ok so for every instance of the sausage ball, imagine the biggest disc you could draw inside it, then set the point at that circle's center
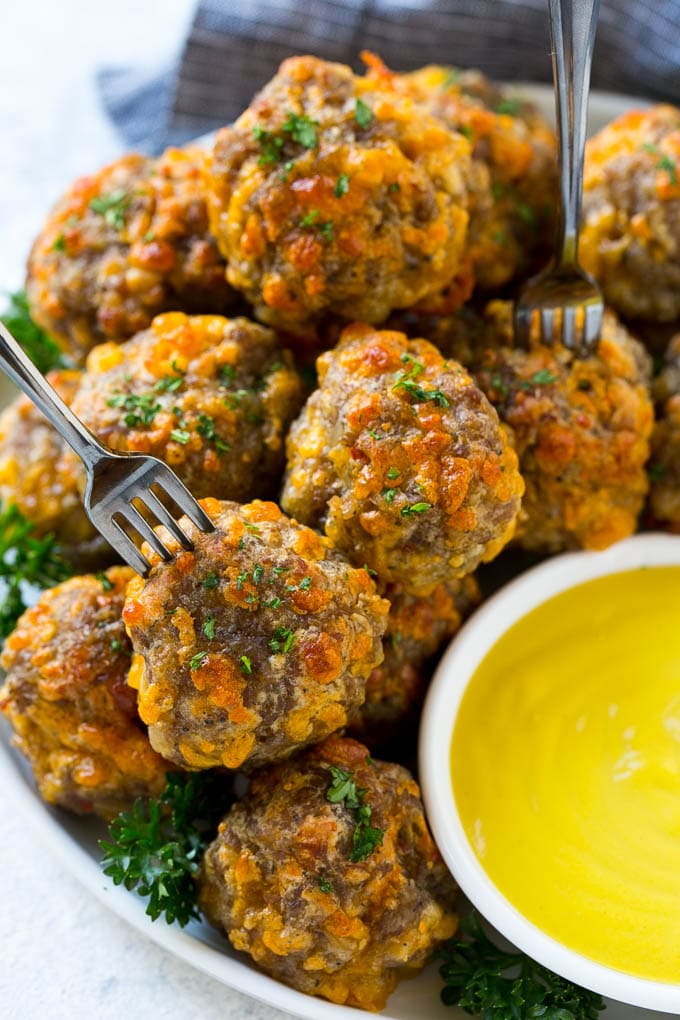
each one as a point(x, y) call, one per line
point(630, 235)
point(121, 246)
point(581, 427)
point(39, 476)
point(514, 170)
point(332, 194)
point(257, 642)
point(402, 460)
point(417, 627)
point(66, 696)
point(212, 397)
point(326, 874)
point(664, 467)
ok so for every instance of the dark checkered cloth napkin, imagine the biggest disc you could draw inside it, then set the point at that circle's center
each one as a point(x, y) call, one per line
point(234, 47)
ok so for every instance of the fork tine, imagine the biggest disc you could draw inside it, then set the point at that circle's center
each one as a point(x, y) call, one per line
point(569, 327)
point(522, 325)
point(547, 326)
point(133, 517)
point(171, 485)
point(593, 326)
point(164, 517)
point(115, 535)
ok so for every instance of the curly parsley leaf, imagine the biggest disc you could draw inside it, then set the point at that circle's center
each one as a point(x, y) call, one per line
point(495, 984)
point(155, 848)
point(25, 562)
point(343, 790)
point(40, 347)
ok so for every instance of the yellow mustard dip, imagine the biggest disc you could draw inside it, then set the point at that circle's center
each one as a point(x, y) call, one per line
point(565, 762)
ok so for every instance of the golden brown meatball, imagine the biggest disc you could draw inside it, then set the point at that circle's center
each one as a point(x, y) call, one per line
point(297, 880)
point(331, 194)
point(664, 466)
point(122, 245)
point(402, 460)
point(581, 428)
point(256, 643)
point(38, 475)
point(513, 188)
point(74, 717)
point(630, 236)
point(212, 397)
point(417, 627)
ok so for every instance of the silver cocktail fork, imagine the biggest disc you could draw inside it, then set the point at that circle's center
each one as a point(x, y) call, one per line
point(564, 298)
point(124, 491)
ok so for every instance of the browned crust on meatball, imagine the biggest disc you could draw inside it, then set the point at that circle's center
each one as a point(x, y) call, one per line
point(664, 465)
point(630, 236)
point(403, 461)
point(279, 882)
point(256, 643)
point(332, 194)
point(66, 697)
point(122, 245)
point(417, 627)
point(212, 397)
point(513, 182)
point(581, 427)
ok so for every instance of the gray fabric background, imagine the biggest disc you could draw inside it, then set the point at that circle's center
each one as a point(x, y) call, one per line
point(235, 45)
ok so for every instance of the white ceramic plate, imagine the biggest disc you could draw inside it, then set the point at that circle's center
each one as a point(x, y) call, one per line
point(75, 840)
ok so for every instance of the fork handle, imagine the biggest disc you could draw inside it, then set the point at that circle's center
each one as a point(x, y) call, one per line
point(15, 363)
point(572, 32)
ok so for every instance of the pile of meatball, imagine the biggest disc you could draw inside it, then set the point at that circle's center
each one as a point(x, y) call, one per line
point(379, 224)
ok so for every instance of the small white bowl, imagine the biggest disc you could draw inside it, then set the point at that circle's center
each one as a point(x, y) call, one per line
point(458, 665)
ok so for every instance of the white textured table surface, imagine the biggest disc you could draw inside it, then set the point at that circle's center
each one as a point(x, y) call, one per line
point(64, 956)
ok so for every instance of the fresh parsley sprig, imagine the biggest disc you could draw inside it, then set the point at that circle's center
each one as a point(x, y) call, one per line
point(494, 984)
point(25, 560)
point(40, 347)
point(156, 847)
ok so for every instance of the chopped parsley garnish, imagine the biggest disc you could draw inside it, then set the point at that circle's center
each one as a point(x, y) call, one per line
point(365, 837)
point(584, 384)
point(206, 428)
point(241, 579)
point(324, 885)
point(301, 128)
point(526, 214)
point(140, 409)
point(374, 435)
point(393, 188)
point(156, 847)
point(209, 627)
point(41, 348)
point(327, 230)
point(254, 528)
point(197, 660)
point(669, 165)
point(544, 377)
point(169, 383)
point(418, 394)
point(341, 186)
point(499, 385)
point(112, 207)
point(115, 645)
point(106, 584)
point(466, 132)
point(389, 495)
point(272, 603)
point(270, 145)
point(310, 219)
point(210, 580)
point(258, 573)
point(392, 473)
point(282, 640)
point(452, 78)
point(246, 665)
point(415, 508)
point(490, 982)
point(513, 107)
point(25, 561)
point(181, 436)
point(59, 243)
point(227, 373)
point(363, 114)
point(305, 584)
